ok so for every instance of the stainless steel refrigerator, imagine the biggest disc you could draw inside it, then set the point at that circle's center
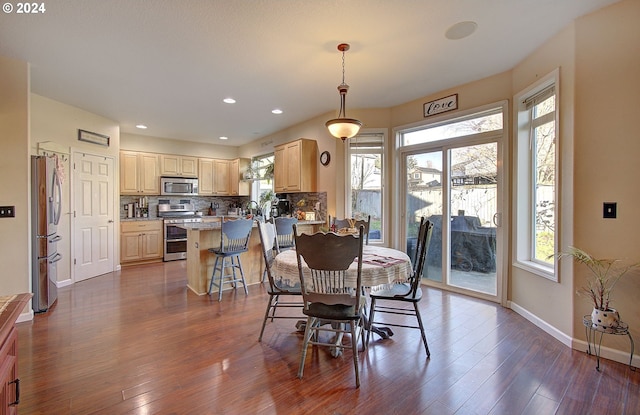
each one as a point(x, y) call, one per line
point(46, 204)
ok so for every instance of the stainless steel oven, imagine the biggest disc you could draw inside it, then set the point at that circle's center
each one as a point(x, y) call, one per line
point(175, 237)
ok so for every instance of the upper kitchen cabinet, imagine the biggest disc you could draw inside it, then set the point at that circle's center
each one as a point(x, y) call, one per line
point(222, 177)
point(239, 187)
point(181, 166)
point(205, 176)
point(295, 166)
point(139, 173)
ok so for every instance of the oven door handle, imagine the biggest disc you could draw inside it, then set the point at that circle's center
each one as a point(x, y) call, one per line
point(176, 240)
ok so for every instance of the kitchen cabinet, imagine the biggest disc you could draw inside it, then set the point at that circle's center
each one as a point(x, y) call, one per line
point(238, 186)
point(222, 177)
point(141, 241)
point(178, 166)
point(139, 173)
point(221, 184)
point(295, 166)
point(205, 176)
point(9, 382)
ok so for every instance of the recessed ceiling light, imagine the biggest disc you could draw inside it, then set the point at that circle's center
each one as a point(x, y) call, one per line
point(276, 111)
point(141, 126)
point(461, 30)
point(224, 138)
point(229, 100)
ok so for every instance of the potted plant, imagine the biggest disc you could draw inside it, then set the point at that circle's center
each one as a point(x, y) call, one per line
point(266, 199)
point(605, 274)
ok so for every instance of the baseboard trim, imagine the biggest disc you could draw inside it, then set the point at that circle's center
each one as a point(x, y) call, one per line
point(576, 344)
point(538, 322)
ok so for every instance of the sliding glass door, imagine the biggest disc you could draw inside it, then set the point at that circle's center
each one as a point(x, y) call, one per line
point(454, 182)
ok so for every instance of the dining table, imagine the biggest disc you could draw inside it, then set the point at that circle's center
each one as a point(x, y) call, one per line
point(380, 266)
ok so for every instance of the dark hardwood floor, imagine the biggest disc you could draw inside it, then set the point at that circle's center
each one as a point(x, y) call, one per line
point(139, 342)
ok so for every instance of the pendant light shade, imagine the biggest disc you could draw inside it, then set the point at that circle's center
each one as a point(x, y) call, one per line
point(343, 127)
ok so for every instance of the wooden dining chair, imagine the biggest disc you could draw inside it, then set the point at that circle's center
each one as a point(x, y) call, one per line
point(277, 286)
point(234, 240)
point(386, 299)
point(348, 222)
point(330, 294)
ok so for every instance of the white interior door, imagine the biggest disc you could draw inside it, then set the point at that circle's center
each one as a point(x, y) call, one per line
point(93, 215)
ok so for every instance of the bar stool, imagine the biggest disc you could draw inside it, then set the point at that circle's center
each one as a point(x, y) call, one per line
point(234, 240)
point(284, 232)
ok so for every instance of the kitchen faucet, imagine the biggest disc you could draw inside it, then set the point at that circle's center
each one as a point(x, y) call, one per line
point(258, 210)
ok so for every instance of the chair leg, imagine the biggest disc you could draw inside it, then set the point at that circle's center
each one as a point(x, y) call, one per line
point(244, 283)
point(424, 337)
point(222, 267)
point(369, 323)
point(354, 349)
point(213, 275)
point(270, 305)
point(274, 305)
point(308, 331)
point(363, 331)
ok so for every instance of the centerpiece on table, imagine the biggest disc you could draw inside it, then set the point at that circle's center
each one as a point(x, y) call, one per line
point(605, 274)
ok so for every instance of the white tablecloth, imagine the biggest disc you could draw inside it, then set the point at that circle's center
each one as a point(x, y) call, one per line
point(379, 266)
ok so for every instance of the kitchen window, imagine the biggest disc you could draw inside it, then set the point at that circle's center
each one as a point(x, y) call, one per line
point(262, 175)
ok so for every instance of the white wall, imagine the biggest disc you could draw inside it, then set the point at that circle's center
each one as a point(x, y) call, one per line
point(607, 145)
point(137, 142)
point(55, 125)
point(15, 244)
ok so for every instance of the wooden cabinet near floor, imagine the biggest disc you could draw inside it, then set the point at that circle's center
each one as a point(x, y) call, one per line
point(295, 166)
point(12, 306)
point(141, 241)
point(139, 173)
point(178, 166)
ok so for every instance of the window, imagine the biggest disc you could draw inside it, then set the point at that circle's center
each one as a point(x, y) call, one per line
point(490, 121)
point(262, 175)
point(365, 176)
point(536, 177)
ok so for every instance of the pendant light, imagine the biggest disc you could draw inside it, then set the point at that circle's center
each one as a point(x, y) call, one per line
point(343, 127)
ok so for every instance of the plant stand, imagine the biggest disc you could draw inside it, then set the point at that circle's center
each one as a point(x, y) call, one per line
point(592, 331)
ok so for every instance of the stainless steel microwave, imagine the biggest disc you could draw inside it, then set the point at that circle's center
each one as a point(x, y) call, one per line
point(178, 186)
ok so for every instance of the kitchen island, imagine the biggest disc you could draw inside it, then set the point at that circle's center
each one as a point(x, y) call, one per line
point(205, 235)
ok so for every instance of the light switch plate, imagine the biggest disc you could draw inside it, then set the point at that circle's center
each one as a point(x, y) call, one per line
point(609, 210)
point(7, 211)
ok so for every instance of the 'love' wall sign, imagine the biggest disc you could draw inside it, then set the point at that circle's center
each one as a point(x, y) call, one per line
point(441, 105)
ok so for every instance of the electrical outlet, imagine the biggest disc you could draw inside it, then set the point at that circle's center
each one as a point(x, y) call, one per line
point(609, 210)
point(7, 211)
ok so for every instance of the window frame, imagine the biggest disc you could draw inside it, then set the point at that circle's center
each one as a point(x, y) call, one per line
point(524, 180)
point(384, 172)
point(256, 184)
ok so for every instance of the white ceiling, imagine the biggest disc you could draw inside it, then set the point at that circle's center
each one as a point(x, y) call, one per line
point(169, 64)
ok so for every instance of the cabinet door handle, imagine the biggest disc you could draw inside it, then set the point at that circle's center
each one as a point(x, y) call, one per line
point(17, 401)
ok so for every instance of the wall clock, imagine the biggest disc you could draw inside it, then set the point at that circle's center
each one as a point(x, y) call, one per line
point(325, 158)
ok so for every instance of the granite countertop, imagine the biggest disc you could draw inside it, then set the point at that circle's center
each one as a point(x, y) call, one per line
point(216, 218)
point(138, 219)
point(207, 225)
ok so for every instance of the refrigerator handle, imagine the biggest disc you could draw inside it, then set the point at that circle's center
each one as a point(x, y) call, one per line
point(57, 198)
point(57, 257)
